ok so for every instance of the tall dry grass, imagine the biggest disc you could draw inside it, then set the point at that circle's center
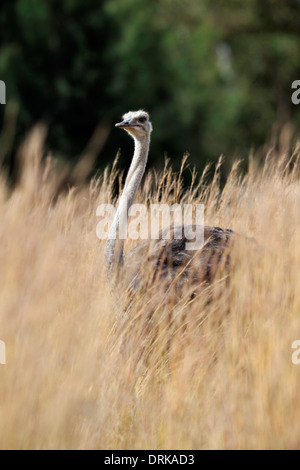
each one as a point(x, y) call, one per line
point(213, 371)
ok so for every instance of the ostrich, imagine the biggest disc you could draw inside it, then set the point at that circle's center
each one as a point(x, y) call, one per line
point(168, 257)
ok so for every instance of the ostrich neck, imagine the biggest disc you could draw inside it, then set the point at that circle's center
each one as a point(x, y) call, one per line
point(114, 250)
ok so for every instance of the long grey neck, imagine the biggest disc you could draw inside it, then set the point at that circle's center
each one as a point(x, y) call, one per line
point(114, 250)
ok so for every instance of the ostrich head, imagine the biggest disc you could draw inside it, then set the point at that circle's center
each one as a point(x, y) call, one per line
point(136, 123)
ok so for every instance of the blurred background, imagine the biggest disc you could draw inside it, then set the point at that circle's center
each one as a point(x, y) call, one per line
point(215, 76)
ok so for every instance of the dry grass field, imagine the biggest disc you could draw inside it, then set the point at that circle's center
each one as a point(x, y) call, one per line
point(209, 372)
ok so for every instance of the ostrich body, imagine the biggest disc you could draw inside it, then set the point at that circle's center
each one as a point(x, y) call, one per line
point(168, 257)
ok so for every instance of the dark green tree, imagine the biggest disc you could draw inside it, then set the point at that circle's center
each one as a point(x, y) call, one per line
point(215, 76)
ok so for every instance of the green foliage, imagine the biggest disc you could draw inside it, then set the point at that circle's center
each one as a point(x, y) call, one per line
point(215, 76)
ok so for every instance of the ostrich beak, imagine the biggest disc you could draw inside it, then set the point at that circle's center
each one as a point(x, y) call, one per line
point(124, 124)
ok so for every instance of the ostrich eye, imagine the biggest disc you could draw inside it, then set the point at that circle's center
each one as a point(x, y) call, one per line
point(142, 119)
